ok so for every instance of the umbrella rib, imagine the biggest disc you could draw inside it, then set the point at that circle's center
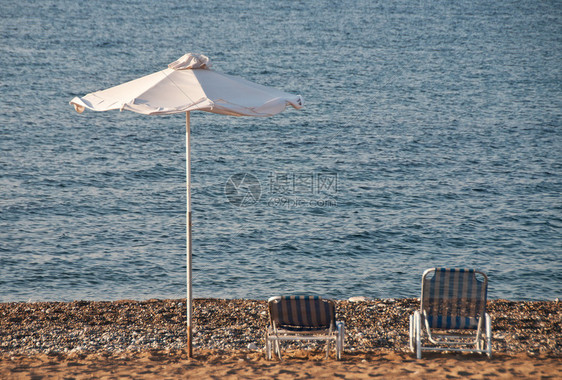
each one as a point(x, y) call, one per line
point(183, 92)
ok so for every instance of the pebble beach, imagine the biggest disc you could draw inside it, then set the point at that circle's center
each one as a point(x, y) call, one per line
point(135, 338)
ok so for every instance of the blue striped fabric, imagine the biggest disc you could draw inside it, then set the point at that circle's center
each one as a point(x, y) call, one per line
point(453, 298)
point(302, 313)
point(452, 322)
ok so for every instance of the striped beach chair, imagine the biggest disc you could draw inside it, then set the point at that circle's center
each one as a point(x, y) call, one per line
point(453, 312)
point(303, 318)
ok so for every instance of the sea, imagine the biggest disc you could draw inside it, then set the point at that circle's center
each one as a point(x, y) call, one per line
point(431, 137)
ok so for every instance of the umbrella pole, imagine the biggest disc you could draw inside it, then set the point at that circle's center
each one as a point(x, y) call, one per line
point(188, 233)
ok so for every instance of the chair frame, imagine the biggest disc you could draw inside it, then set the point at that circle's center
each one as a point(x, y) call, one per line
point(278, 332)
point(481, 340)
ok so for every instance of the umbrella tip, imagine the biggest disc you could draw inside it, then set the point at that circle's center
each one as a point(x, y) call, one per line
point(191, 61)
point(300, 101)
point(78, 108)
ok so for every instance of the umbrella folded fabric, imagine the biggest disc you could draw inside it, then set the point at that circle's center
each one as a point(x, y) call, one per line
point(188, 84)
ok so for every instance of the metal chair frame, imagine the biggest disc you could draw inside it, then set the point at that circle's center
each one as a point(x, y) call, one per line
point(280, 331)
point(481, 340)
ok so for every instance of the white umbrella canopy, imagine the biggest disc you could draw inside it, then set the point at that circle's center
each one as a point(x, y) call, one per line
point(189, 84)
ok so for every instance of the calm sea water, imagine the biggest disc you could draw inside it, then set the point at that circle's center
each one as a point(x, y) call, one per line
point(431, 136)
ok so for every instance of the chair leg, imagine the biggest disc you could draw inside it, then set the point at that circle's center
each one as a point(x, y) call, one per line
point(417, 332)
point(338, 348)
point(340, 340)
point(267, 347)
point(278, 349)
point(488, 335)
point(412, 333)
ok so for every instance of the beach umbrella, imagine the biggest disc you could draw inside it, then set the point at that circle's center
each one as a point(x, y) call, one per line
point(189, 84)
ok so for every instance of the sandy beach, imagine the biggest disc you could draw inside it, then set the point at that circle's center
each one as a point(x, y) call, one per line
point(131, 339)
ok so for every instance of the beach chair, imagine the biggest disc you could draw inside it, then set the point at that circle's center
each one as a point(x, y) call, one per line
point(453, 313)
point(303, 318)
